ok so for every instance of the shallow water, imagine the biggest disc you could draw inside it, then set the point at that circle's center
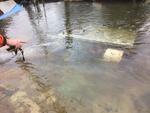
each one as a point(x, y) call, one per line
point(80, 58)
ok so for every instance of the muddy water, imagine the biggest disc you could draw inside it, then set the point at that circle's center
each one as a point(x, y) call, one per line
point(80, 58)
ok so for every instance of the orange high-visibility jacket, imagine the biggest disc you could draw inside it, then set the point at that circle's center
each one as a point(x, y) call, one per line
point(2, 41)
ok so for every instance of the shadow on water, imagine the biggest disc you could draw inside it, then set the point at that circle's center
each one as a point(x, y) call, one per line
point(36, 15)
point(68, 38)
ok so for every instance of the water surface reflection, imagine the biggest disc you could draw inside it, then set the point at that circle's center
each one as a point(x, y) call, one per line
point(81, 58)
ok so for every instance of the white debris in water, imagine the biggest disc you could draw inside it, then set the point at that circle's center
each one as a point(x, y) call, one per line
point(113, 55)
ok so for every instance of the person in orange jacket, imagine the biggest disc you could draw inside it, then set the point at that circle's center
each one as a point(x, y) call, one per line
point(10, 42)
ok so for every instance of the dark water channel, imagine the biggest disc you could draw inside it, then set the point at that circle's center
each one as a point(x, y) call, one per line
point(80, 58)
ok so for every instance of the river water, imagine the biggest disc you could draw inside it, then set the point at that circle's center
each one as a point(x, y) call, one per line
point(79, 58)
